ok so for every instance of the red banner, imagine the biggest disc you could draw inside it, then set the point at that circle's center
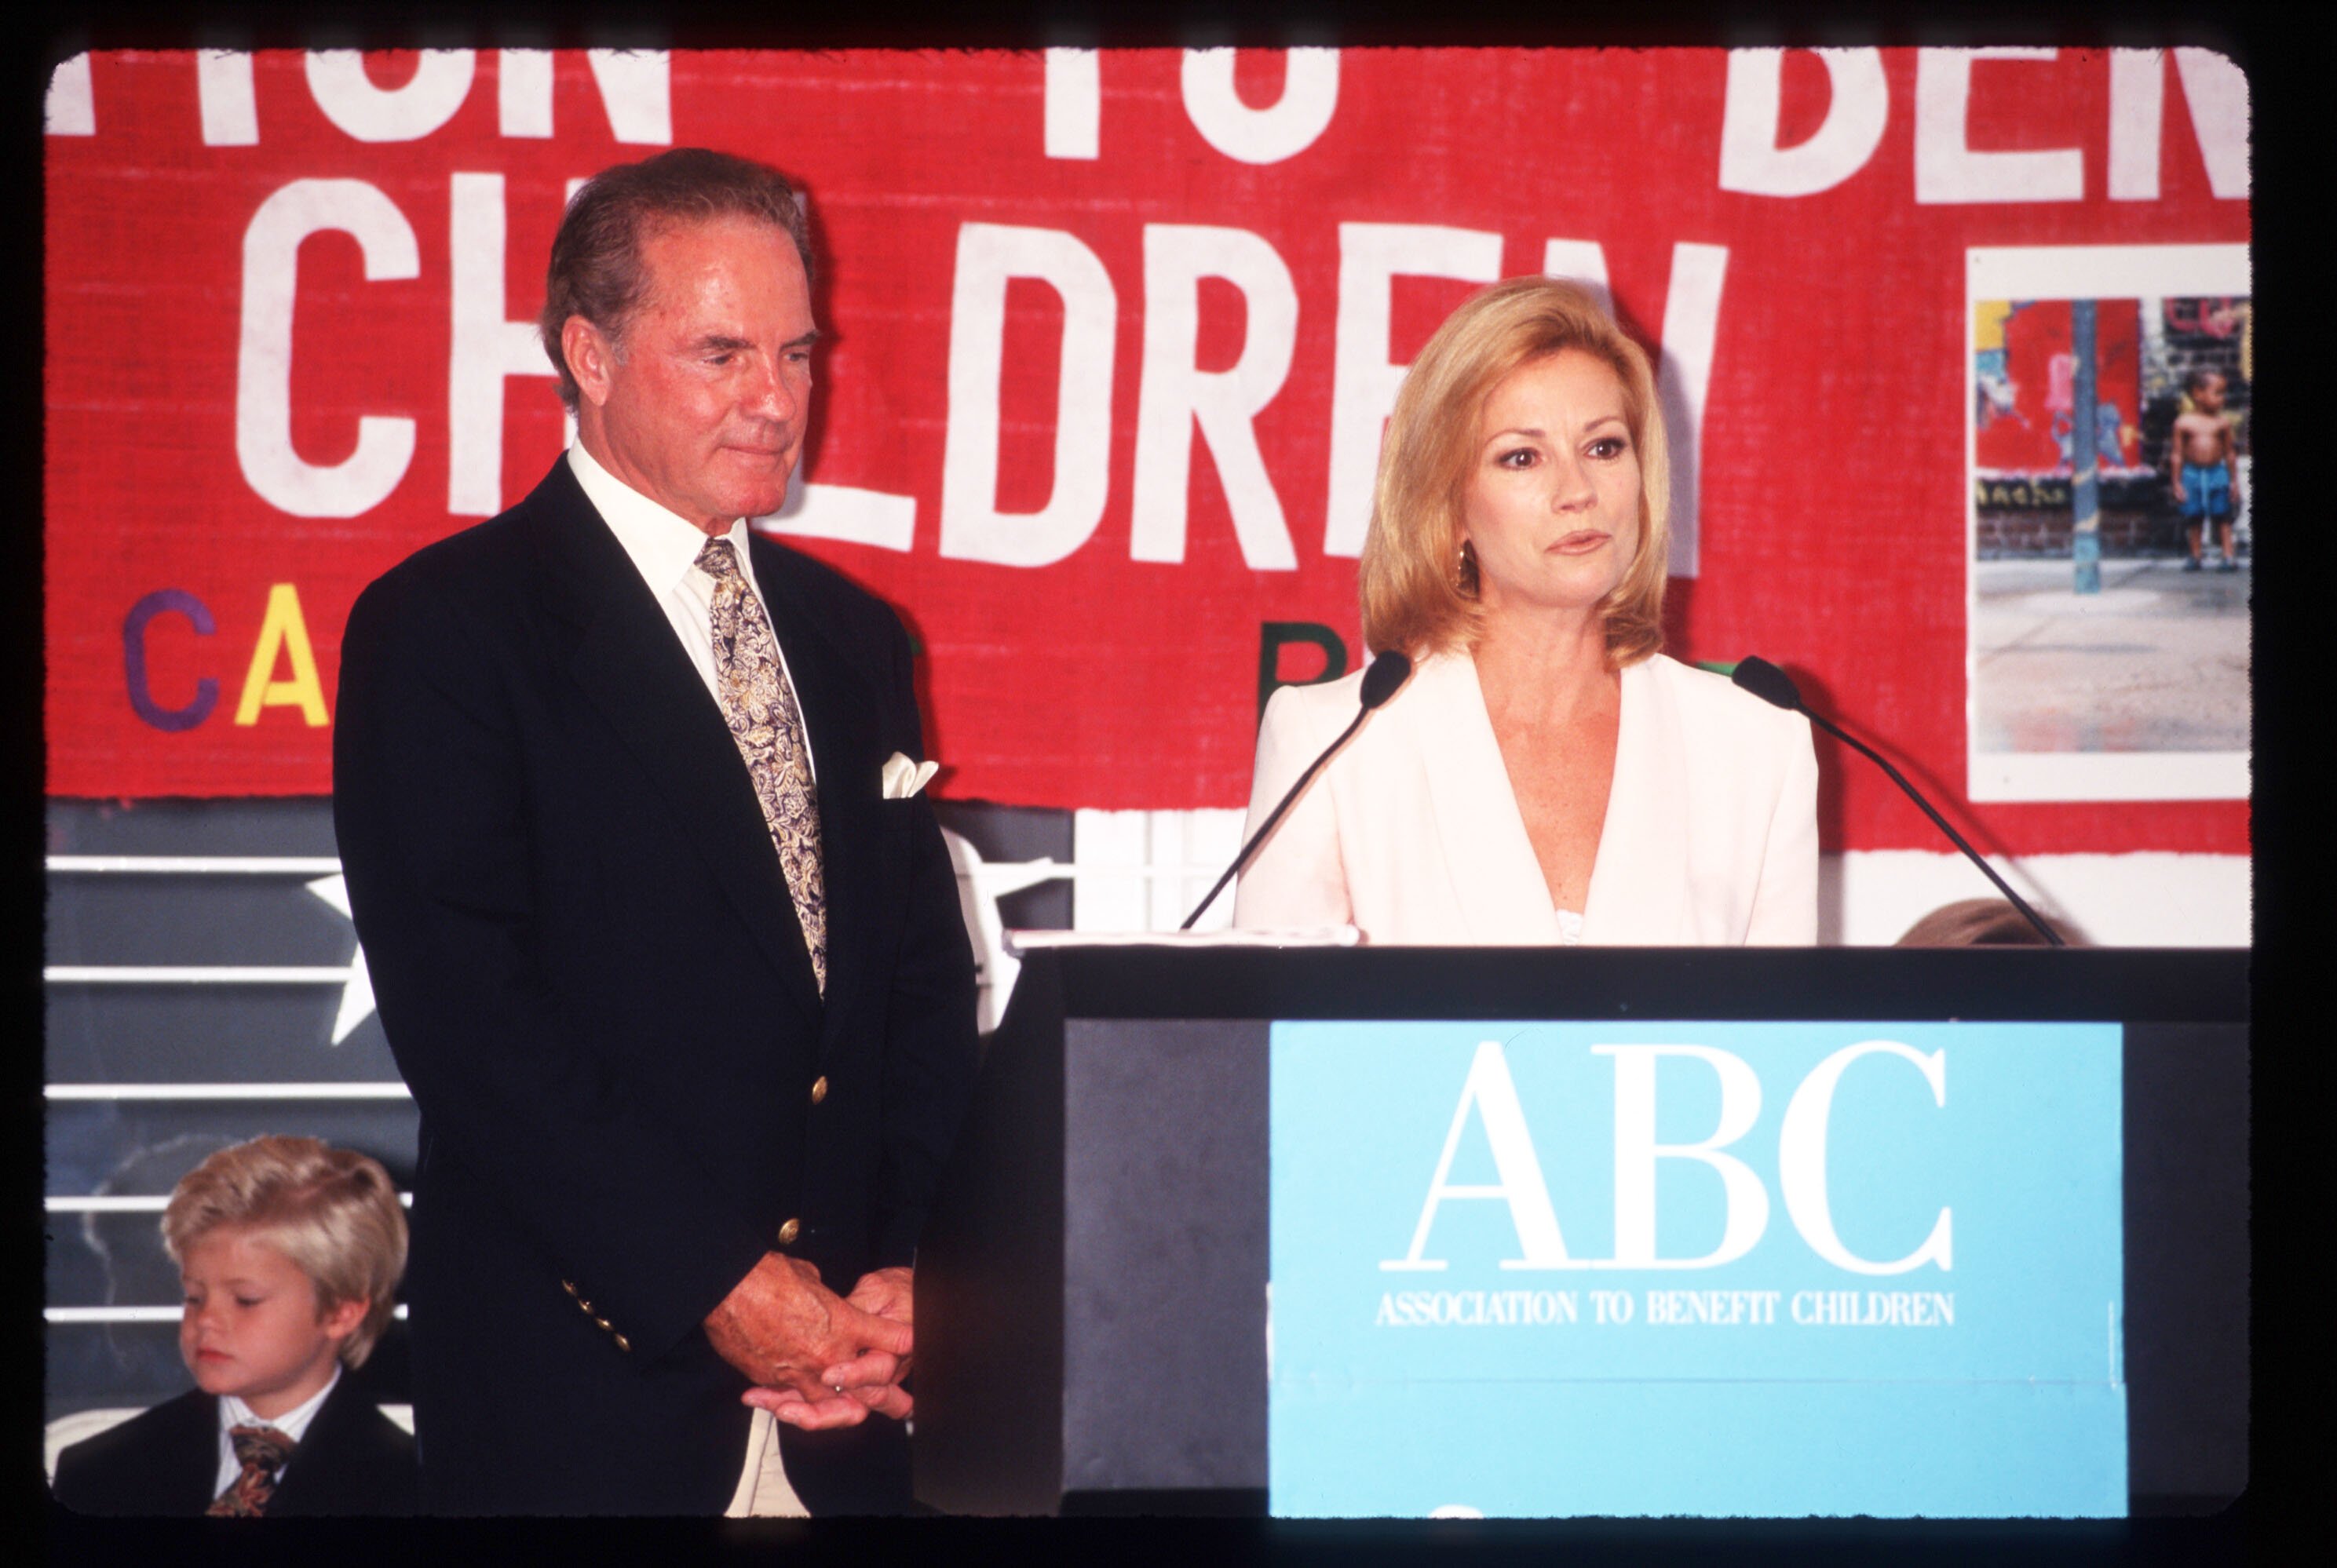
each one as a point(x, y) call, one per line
point(1110, 340)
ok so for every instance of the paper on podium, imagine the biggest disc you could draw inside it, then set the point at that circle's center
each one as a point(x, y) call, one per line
point(1031, 941)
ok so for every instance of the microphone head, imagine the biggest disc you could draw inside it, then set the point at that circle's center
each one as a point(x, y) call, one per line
point(1380, 682)
point(1767, 682)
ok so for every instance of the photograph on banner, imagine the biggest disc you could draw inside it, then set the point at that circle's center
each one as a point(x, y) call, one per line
point(2111, 522)
point(1697, 1268)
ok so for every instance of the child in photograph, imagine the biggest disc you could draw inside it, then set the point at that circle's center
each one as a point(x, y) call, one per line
point(287, 1251)
point(2199, 463)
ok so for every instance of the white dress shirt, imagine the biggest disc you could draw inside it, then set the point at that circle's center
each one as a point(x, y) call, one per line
point(293, 1423)
point(1414, 834)
point(663, 547)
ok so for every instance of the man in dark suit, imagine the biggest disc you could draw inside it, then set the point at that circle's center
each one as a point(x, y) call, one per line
point(668, 949)
point(351, 1460)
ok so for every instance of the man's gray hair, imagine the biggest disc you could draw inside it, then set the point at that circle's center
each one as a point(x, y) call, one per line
point(596, 269)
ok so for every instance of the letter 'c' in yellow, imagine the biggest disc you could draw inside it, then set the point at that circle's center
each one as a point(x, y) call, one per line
point(283, 631)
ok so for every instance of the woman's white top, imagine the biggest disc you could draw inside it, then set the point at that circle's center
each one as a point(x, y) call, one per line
point(1411, 834)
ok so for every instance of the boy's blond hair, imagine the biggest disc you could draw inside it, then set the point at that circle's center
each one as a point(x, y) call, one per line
point(1417, 596)
point(334, 1214)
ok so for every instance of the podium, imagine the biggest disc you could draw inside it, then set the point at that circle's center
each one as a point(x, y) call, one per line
point(1092, 1310)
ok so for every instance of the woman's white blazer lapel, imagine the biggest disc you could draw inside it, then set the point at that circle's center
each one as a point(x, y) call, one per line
point(1497, 882)
point(1710, 834)
point(1640, 885)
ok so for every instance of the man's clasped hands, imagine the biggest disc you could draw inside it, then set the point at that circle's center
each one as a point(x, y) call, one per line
point(817, 1359)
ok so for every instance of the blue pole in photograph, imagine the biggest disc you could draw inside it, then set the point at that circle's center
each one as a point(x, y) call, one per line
point(2084, 502)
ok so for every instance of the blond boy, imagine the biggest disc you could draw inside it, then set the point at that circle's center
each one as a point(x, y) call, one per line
point(288, 1252)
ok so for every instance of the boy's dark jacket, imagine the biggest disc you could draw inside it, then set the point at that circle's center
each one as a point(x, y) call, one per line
point(353, 1459)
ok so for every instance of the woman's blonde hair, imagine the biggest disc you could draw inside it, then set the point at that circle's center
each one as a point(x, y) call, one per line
point(334, 1214)
point(1416, 596)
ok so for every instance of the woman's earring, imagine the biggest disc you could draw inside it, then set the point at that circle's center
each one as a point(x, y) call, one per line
point(1464, 570)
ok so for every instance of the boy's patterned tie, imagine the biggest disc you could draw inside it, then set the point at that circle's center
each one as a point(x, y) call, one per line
point(262, 1451)
point(761, 713)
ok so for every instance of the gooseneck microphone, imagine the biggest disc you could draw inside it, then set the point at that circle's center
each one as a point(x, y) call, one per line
point(1386, 672)
point(1772, 685)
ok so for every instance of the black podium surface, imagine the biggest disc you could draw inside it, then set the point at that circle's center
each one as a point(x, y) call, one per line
point(1092, 1312)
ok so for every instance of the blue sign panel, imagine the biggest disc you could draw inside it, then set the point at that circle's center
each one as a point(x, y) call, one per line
point(1717, 1269)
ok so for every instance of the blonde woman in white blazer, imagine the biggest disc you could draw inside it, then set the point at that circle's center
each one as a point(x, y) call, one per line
point(1545, 777)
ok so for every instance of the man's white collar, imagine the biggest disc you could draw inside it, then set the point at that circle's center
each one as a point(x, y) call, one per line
point(663, 543)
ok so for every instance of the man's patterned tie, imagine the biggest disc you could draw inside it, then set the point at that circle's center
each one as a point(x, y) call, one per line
point(761, 713)
point(262, 1451)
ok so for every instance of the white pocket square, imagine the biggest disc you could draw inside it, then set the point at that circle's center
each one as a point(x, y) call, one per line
point(903, 778)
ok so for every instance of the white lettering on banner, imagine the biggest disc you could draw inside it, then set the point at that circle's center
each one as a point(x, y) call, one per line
point(2216, 93)
point(71, 107)
point(523, 92)
point(486, 349)
point(1668, 1309)
point(636, 90)
point(1948, 169)
point(1717, 1307)
point(1801, 1159)
point(263, 379)
point(223, 96)
point(1752, 161)
point(1476, 1309)
point(1363, 383)
point(635, 85)
point(338, 82)
point(1745, 1202)
point(1174, 394)
point(1310, 96)
point(1691, 328)
point(1800, 1164)
point(843, 511)
point(1074, 93)
point(1489, 1088)
point(1875, 1309)
point(972, 527)
point(2138, 106)
point(1582, 261)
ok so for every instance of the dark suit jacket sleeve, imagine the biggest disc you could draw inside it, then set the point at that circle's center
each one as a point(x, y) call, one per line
point(430, 808)
point(352, 1460)
point(161, 1461)
point(931, 1055)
